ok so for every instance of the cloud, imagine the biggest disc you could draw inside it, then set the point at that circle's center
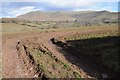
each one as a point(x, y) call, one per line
point(78, 9)
point(13, 9)
point(23, 10)
point(95, 9)
point(59, 0)
point(66, 3)
point(111, 6)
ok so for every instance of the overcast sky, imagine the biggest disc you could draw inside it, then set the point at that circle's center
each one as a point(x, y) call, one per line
point(13, 8)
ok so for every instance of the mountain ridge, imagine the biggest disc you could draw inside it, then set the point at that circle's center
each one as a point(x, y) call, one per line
point(79, 16)
point(69, 16)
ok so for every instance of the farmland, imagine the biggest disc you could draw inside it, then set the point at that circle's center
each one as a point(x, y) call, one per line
point(29, 52)
point(60, 45)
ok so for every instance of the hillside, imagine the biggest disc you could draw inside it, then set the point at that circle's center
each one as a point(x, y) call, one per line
point(81, 16)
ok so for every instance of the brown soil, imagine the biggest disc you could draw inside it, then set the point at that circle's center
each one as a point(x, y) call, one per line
point(19, 63)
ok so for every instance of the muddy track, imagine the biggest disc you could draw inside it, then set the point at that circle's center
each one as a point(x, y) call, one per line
point(19, 63)
point(28, 64)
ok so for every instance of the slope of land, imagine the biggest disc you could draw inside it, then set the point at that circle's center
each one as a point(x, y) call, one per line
point(28, 55)
point(80, 16)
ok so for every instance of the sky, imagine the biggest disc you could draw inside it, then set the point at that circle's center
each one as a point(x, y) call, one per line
point(13, 8)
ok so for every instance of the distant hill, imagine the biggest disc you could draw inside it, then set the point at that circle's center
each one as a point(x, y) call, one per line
point(81, 16)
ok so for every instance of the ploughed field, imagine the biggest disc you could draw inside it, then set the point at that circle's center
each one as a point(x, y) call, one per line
point(83, 52)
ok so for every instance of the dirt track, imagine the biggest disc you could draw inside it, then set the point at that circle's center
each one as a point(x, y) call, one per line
point(13, 63)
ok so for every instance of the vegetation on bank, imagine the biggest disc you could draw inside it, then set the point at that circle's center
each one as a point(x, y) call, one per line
point(50, 65)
